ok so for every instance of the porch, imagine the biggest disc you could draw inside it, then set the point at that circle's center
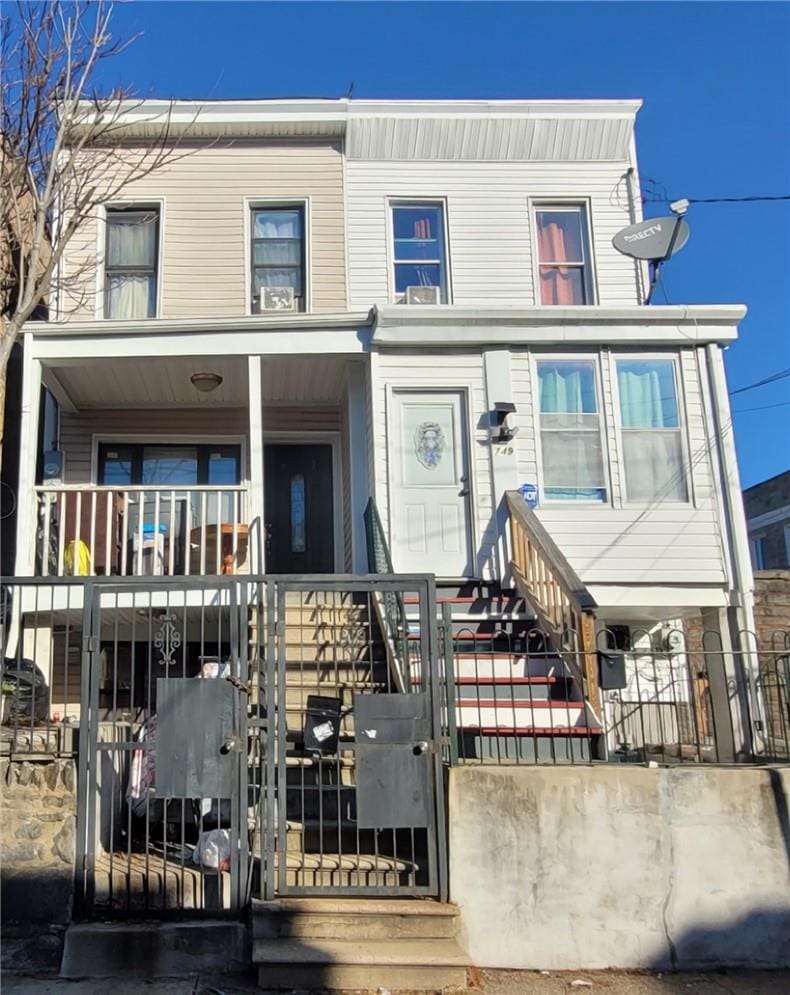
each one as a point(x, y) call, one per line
point(150, 475)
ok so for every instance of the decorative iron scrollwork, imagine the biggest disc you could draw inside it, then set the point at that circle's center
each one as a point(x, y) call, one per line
point(168, 639)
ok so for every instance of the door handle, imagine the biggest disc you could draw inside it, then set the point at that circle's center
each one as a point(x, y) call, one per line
point(420, 748)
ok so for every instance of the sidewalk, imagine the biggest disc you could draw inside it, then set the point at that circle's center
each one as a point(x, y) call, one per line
point(493, 983)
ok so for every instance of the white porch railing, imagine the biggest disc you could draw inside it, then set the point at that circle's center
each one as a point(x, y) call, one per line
point(88, 530)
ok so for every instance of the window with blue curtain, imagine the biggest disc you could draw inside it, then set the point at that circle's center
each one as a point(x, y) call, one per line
point(570, 431)
point(650, 423)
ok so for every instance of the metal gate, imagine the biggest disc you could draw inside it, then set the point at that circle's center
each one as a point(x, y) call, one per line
point(351, 791)
point(263, 736)
point(162, 817)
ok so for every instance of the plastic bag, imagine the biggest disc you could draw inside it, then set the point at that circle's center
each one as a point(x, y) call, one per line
point(77, 559)
point(213, 850)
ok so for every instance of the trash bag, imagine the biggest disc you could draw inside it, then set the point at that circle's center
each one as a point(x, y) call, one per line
point(25, 692)
point(213, 850)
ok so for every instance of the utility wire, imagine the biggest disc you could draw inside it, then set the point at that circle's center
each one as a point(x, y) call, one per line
point(762, 407)
point(717, 200)
point(762, 383)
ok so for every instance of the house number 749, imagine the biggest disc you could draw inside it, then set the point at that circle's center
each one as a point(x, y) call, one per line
point(504, 450)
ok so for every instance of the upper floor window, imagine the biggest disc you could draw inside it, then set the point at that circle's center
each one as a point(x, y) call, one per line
point(650, 423)
point(131, 260)
point(757, 546)
point(278, 258)
point(564, 266)
point(418, 247)
point(570, 431)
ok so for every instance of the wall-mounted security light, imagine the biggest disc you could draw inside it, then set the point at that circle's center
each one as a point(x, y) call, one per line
point(501, 430)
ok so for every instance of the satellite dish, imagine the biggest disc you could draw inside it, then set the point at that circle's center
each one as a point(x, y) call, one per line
point(655, 239)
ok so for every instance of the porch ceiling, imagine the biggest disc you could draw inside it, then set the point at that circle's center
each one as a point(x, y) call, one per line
point(164, 382)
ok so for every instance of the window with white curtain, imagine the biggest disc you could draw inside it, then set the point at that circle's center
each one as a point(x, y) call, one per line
point(130, 265)
point(650, 424)
point(278, 252)
point(570, 431)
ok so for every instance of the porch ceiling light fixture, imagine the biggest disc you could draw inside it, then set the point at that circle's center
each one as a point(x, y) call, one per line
point(205, 382)
point(500, 430)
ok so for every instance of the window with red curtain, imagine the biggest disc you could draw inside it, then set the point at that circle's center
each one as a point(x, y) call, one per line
point(565, 276)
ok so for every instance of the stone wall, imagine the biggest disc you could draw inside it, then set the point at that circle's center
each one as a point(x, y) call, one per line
point(630, 867)
point(37, 853)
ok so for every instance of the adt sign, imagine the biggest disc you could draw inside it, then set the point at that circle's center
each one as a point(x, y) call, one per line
point(530, 494)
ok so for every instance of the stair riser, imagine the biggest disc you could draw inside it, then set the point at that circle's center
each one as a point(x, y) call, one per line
point(307, 878)
point(504, 666)
point(331, 840)
point(365, 978)
point(349, 927)
point(324, 805)
point(327, 773)
point(507, 717)
point(524, 749)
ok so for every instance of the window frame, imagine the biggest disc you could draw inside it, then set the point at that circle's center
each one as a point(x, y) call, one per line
point(265, 203)
point(203, 450)
point(757, 550)
point(594, 359)
point(102, 236)
point(682, 428)
point(588, 267)
point(420, 200)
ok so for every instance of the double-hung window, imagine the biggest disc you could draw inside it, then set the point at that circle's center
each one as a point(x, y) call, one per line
point(131, 260)
point(278, 257)
point(570, 431)
point(650, 424)
point(419, 247)
point(564, 269)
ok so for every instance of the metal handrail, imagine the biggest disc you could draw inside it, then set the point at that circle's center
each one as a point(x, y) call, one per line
point(392, 608)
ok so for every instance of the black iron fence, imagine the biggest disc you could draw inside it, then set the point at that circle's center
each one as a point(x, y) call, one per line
point(667, 696)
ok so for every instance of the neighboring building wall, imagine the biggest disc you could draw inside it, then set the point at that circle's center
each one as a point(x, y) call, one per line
point(767, 507)
point(606, 867)
point(205, 233)
point(489, 223)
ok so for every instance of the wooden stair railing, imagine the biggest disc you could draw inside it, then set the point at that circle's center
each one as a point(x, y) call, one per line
point(561, 602)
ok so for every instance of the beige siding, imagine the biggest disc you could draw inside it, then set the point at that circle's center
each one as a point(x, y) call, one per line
point(489, 224)
point(204, 239)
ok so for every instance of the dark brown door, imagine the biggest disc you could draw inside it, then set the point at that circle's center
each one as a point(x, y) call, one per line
point(299, 509)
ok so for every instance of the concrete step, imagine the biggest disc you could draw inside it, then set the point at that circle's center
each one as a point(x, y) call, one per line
point(359, 919)
point(412, 964)
point(333, 870)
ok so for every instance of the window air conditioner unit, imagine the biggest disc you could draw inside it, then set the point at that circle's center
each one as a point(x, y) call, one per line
point(277, 299)
point(422, 295)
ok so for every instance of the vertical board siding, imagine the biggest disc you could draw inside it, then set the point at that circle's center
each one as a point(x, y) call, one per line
point(489, 225)
point(204, 233)
point(652, 543)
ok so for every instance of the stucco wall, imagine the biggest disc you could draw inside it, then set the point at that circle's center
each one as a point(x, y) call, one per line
point(621, 867)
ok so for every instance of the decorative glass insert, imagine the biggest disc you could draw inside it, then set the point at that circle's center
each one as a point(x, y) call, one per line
point(278, 251)
point(573, 467)
point(298, 544)
point(131, 263)
point(650, 422)
point(418, 233)
point(562, 255)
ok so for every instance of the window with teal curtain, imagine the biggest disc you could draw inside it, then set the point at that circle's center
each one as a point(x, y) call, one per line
point(650, 421)
point(570, 432)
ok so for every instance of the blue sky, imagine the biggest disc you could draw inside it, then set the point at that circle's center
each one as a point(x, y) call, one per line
point(714, 77)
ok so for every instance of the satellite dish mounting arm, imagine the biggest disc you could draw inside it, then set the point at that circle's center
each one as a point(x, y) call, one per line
point(656, 263)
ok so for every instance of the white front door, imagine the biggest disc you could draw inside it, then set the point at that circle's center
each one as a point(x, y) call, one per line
point(430, 484)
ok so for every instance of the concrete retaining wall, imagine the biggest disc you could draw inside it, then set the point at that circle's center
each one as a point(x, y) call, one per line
point(621, 867)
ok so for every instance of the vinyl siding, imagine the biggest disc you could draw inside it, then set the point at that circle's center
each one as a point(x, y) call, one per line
point(615, 542)
point(430, 372)
point(204, 235)
point(489, 225)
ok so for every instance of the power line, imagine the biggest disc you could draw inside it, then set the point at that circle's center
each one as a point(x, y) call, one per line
point(780, 375)
point(719, 200)
point(762, 407)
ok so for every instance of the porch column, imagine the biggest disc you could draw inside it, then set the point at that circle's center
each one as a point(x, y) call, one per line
point(257, 542)
point(27, 506)
point(358, 464)
point(504, 460)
